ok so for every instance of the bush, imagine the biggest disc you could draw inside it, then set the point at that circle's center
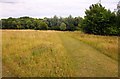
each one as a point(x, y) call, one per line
point(63, 26)
point(43, 26)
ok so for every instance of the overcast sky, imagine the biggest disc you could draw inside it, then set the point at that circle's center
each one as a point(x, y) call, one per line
point(49, 8)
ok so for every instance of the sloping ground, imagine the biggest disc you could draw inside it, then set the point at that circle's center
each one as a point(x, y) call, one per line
point(52, 54)
point(87, 60)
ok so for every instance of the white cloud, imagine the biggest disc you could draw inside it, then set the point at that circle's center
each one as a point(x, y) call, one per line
point(49, 8)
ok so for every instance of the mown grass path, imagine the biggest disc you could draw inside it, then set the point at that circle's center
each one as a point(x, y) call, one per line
point(88, 61)
point(29, 53)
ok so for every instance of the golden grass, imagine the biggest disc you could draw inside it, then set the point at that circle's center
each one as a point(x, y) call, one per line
point(35, 53)
point(0, 53)
point(108, 45)
point(29, 53)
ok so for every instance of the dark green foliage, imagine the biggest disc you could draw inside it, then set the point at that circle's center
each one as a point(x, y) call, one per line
point(24, 23)
point(118, 17)
point(70, 23)
point(63, 26)
point(43, 26)
point(99, 20)
point(0, 24)
point(54, 23)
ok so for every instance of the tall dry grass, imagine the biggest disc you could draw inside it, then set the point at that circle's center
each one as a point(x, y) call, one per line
point(108, 45)
point(34, 53)
point(29, 53)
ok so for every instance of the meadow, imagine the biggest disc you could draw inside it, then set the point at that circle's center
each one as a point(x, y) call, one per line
point(34, 53)
point(108, 45)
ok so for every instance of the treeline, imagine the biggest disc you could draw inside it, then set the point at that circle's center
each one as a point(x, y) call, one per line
point(55, 23)
point(97, 20)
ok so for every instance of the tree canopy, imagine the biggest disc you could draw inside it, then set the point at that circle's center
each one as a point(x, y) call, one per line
point(41, 24)
point(63, 26)
point(99, 20)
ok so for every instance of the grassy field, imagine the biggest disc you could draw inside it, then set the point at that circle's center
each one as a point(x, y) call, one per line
point(108, 45)
point(58, 54)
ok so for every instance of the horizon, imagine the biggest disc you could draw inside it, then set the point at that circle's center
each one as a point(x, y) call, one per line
point(46, 8)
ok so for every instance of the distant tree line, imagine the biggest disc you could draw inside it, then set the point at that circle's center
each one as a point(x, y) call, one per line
point(97, 20)
point(54, 23)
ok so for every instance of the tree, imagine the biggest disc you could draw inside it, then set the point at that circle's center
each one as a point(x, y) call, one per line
point(29, 24)
point(118, 17)
point(43, 26)
point(4, 23)
point(118, 8)
point(37, 24)
point(69, 21)
point(0, 24)
point(55, 21)
point(98, 20)
point(63, 26)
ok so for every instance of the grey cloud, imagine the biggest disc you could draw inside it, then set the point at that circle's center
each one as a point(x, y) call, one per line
point(9, 1)
point(48, 8)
